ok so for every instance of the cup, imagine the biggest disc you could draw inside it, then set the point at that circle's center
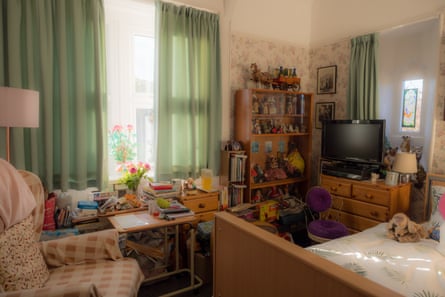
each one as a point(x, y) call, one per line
point(206, 178)
point(392, 178)
point(374, 177)
point(153, 208)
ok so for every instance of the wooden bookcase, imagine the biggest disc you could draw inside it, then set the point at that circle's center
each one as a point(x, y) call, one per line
point(270, 125)
point(233, 174)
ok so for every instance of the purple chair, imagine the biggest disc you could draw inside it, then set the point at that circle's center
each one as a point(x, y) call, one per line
point(320, 230)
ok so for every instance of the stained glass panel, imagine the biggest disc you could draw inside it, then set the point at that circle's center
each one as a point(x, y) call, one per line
point(409, 108)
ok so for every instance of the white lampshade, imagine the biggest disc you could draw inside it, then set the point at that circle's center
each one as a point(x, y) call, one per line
point(19, 108)
point(405, 163)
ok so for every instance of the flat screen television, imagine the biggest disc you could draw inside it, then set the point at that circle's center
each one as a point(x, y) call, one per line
point(359, 141)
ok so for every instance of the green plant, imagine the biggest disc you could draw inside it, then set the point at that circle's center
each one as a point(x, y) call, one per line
point(133, 173)
point(122, 143)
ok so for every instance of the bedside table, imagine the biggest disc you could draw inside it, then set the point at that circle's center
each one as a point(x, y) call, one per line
point(203, 204)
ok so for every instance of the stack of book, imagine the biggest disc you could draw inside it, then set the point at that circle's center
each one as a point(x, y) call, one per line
point(175, 210)
point(85, 211)
point(161, 190)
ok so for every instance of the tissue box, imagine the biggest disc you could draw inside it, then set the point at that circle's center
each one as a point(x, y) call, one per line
point(268, 211)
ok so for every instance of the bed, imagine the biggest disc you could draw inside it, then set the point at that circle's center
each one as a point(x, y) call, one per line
point(249, 261)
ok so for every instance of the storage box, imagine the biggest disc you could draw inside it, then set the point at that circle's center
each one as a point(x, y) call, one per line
point(268, 211)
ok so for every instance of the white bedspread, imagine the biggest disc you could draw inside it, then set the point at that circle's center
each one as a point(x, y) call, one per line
point(411, 269)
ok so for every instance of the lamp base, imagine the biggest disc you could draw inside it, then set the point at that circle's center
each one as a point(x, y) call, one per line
point(405, 178)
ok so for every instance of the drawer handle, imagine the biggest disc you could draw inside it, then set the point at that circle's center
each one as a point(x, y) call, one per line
point(201, 205)
point(333, 189)
point(374, 214)
point(369, 196)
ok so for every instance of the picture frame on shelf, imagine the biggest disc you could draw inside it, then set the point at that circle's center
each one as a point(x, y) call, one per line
point(327, 80)
point(324, 111)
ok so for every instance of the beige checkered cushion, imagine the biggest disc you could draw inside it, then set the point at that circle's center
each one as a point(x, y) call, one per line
point(21, 263)
point(85, 248)
point(73, 290)
point(95, 252)
point(112, 278)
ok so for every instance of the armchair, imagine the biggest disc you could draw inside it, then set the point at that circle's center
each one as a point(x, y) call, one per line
point(85, 265)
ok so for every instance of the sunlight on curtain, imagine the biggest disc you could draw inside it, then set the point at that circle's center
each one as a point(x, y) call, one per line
point(362, 88)
point(189, 91)
point(57, 48)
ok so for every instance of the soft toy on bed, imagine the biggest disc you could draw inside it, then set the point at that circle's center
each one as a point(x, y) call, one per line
point(402, 229)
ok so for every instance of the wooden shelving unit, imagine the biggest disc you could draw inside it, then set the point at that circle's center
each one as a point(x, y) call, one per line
point(270, 125)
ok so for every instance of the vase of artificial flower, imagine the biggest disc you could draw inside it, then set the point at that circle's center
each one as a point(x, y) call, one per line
point(133, 173)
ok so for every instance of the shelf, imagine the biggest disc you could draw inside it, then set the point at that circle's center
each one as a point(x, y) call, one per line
point(278, 182)
point(259, 113)
point(277, 116)
point(279, 134)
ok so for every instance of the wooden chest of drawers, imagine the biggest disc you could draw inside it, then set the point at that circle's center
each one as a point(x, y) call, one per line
point(203, 204)
point(362, 204)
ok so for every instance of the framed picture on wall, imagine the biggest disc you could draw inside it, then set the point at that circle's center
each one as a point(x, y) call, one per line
point(327, 80)
point(324, 111)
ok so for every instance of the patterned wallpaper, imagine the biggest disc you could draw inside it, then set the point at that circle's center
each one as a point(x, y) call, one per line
point(438, 164)
point(247, 50)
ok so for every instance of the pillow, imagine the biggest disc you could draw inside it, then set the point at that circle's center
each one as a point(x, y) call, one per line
point(21, 263)
point(12, 185)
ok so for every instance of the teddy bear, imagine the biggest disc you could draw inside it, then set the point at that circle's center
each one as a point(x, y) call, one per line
point(402, 229)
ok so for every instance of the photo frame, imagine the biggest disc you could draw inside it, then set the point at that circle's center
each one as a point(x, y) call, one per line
point(327, 80)
point(324, 111)
point(435, 187)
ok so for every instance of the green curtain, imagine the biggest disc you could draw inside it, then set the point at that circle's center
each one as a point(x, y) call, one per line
point(362, 89)
point(188, 91)
point(57, 47)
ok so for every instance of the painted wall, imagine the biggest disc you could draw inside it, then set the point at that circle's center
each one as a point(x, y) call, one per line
point(339, 19)
point(331, 27)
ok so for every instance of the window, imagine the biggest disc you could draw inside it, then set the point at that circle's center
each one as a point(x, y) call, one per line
point(130, 72)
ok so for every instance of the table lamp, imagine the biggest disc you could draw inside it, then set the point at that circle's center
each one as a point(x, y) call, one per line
point(18, 108)
point(405, 164)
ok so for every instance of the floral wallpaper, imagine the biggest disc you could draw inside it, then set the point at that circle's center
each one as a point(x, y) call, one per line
point(438, 156)
point(247, 50)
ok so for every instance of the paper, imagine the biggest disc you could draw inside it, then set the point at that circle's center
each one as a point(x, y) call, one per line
point(130, 221)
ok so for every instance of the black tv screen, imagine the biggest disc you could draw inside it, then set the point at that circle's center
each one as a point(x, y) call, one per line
point(353, 140)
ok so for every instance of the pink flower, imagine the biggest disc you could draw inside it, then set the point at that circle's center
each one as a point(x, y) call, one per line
point(130, 127)
point(117, 128)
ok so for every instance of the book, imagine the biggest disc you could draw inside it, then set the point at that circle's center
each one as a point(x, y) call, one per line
point(161, 186)
point(179, 215)
point(174, 208)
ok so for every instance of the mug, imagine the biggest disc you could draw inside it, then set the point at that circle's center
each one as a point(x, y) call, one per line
point(392, 178)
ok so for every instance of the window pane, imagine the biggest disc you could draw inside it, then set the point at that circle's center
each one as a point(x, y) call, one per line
point(143, 63)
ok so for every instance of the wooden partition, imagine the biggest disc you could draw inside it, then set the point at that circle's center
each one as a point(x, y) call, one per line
point(251, 262)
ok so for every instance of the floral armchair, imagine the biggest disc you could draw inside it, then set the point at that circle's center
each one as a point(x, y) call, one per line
point(86, 265)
